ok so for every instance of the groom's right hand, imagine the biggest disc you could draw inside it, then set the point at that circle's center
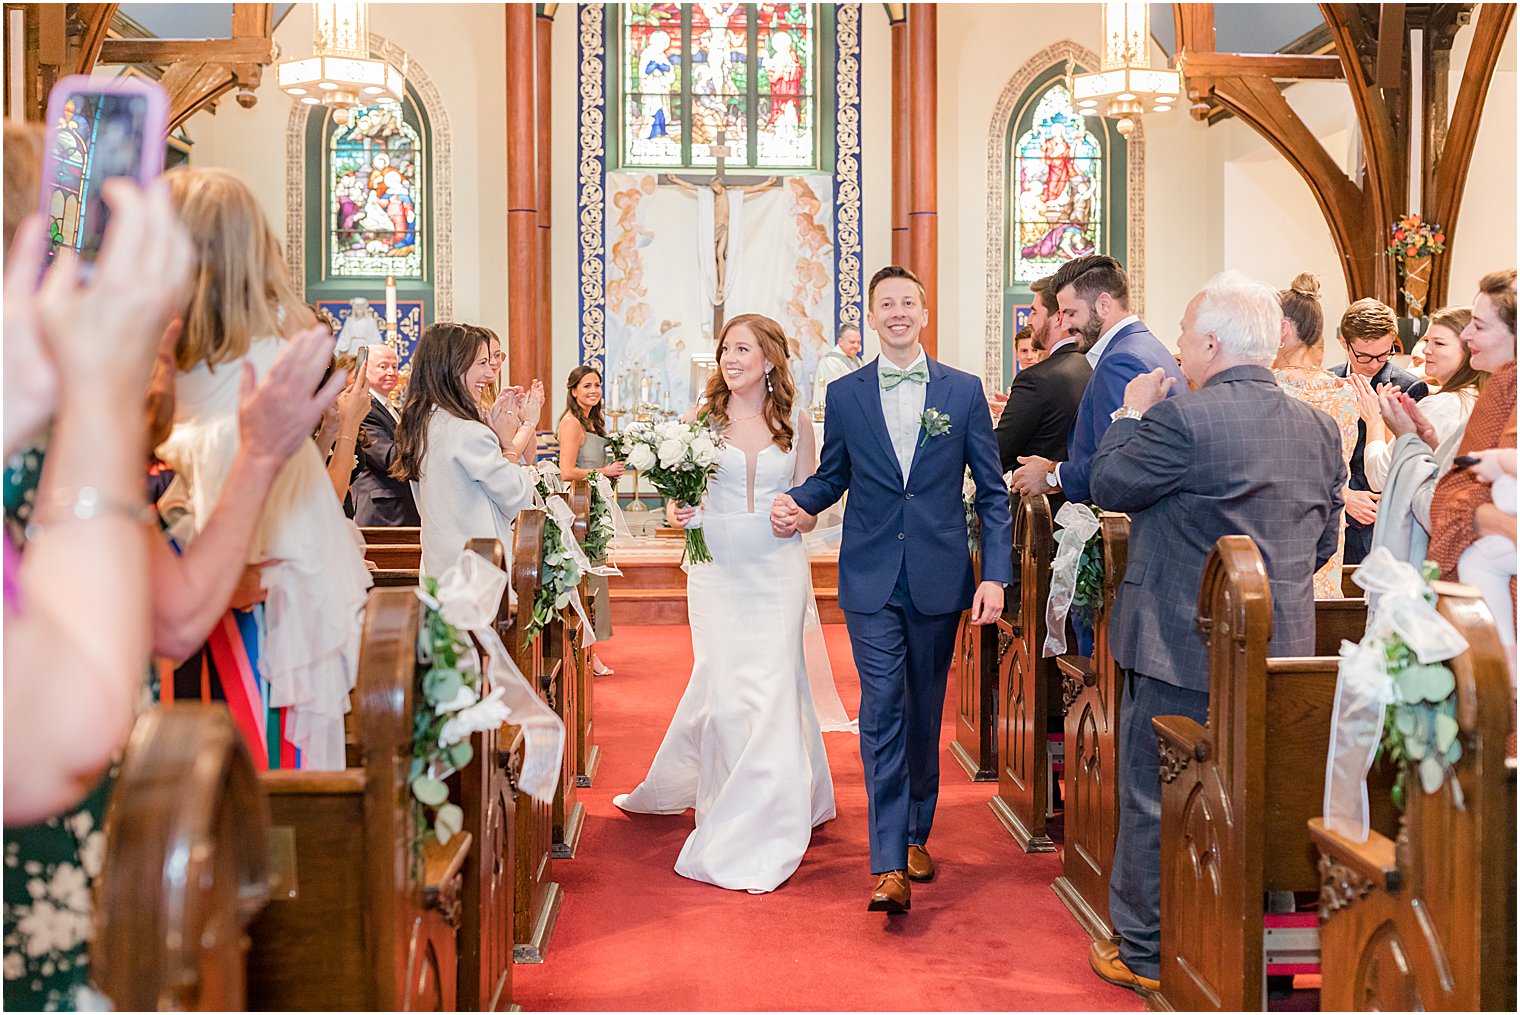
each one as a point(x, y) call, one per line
point(784, 516)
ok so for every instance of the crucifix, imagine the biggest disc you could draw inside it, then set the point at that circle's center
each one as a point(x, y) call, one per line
point(720, 184)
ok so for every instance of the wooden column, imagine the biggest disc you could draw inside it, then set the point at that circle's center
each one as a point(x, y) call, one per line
point(923, 202)
point(522, 199)
point(901, 157)
point(545, 24)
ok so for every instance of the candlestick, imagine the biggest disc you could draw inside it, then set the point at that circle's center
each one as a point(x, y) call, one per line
point(390, 301)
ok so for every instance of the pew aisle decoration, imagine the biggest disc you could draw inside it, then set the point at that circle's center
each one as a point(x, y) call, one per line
point(606, 527)
point(679, 459)
point(565, 563)
point(1394, 694)
point(460, 697)
point(1089, 581)
point(1078, 529)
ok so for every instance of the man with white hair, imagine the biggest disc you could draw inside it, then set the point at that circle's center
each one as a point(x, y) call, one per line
point(1236, 456)
point(841, 360)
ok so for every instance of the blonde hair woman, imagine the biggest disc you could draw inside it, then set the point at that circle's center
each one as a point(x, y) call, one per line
point(235, 327)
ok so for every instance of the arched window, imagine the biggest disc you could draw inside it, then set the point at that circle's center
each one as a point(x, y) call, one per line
point(369, 209)
point(753, 71)
point(1065, 193)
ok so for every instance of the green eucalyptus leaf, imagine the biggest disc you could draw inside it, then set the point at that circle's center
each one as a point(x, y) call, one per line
point(429, 790)
point(1446, 731)
point(1405, 721)
point(459, 754)
point(448, 823)
point(1431, 772)
point(1454, 752)
point(1416, 748)
point(442, 684)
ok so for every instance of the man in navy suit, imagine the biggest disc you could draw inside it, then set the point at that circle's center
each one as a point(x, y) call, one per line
point(898, 436)
point(1093, 295)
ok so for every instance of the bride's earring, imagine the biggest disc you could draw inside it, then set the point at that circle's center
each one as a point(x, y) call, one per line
point(768, 381)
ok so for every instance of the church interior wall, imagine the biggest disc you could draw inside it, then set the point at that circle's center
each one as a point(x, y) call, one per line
point(1213, 196)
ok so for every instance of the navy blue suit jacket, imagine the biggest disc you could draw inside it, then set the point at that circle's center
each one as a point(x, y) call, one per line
point(923, 522)
point(1130, 353)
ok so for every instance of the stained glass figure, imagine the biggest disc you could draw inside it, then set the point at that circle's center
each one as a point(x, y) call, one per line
point(786, 51)
point(1057, 188)
point(652, 87)
point(376, 200)
point(719, 76)
point(69, 161)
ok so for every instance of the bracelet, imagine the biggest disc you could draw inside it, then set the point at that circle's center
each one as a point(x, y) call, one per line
point(81, 506)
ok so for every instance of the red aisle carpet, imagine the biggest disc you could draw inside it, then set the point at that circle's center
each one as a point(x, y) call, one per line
point(988, 934)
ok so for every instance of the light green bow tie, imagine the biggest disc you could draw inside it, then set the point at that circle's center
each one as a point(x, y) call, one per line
point(891, 377)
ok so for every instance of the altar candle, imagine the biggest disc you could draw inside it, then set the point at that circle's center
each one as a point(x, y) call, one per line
point(644, 391)
point(390, 301)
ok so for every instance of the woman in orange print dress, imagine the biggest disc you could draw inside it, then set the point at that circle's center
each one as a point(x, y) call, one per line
point(1299, 372)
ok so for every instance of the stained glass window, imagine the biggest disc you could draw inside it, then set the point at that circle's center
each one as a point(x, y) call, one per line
point(376, 195)
point(70, 157)
point(689, 71)
point(1056, 188)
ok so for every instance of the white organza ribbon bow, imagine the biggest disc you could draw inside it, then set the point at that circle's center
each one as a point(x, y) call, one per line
point(564, 517)
point(469, 596)
point(621, 534)
point(1077, 523)
point(1396, 605)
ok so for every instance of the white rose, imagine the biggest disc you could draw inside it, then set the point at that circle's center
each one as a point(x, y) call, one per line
point(672, 452)
point(668, 430)
point(641, 457)
point(701, 447)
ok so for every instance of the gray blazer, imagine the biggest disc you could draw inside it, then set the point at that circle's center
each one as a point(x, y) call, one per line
point(1238, 456)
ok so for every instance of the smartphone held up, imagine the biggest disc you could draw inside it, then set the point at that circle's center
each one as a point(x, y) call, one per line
point(97, 131)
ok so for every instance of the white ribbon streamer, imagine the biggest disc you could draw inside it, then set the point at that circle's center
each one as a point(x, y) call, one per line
point(564, 517)
point(1396, 605)
point(1078, 523)
point(469, 597)
point(621, 534)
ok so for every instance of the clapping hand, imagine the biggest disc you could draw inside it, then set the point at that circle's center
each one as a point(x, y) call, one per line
point(1367, 400)
point(997, 403)
point(1403, 416)
point(531, 405)
point(785, 516)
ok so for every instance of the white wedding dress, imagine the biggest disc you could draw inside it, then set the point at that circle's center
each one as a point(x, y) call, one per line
point(745, 747)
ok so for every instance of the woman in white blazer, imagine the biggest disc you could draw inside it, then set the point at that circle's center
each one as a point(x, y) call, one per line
point(455, 456)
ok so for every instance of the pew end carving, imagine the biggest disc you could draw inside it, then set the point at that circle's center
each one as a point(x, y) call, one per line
point(1425, 920)
point(974, 748)
point(186, 866)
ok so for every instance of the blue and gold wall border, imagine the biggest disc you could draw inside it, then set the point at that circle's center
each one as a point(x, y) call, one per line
point(847, 196)
point(591, 182)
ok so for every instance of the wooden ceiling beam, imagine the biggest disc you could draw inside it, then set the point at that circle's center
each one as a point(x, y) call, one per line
point(1282, 67)
point(1390, 47)
point(1194, 25)
point(94, 21)
point(259, 50)
point(1494, 21)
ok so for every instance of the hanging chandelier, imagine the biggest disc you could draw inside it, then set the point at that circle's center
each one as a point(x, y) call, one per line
point(1125, 86)
point(341, 74)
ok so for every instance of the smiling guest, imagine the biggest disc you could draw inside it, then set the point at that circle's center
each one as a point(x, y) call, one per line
point(1368, 331)
point(583, 450)
point(380, 498)
point(453, 455)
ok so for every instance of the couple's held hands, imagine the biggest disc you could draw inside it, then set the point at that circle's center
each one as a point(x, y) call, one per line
point(1032, 476)
point(786, 516)
point(1362, 505)
point(987, 606)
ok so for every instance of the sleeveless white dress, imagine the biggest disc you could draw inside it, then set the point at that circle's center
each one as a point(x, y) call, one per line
point(745, 747)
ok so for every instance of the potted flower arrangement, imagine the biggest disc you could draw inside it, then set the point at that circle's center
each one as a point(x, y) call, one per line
point(1414, 243)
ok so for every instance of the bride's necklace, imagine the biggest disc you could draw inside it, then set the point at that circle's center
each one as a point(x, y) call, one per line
point(746, 419)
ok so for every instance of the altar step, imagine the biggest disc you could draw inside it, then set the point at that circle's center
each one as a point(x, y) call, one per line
point(652, 589)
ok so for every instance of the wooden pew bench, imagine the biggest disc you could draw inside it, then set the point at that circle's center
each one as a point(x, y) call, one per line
point(1028, 685)
point(588, 753)
point(375, 535)
point(185, 866)
point(975, 664)
point(1236, 795)
point(1425, 920)
point(357, 919)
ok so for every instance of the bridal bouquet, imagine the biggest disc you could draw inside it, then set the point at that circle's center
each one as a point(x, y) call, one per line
point(679, 459)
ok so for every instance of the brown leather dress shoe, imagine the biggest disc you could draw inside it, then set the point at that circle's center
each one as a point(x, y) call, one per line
point(891, 895)
point(920, 864)
point(1104, 958)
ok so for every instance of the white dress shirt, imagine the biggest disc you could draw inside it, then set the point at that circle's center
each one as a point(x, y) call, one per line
point(1093, 355)
point(902, 407)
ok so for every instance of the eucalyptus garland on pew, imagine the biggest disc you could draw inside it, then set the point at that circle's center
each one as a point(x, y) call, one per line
point(448, 689)
point(561, 573)
point(1088, 593)
point(600, 529)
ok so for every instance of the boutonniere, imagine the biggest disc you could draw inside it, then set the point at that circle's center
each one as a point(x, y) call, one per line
point(934, 424)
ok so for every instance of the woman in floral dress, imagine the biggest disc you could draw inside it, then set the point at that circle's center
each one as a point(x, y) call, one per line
point(1299, 372)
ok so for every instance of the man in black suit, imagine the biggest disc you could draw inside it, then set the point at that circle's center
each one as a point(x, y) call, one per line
point(379, 499)
point(1368, 331)
point(1043, 399)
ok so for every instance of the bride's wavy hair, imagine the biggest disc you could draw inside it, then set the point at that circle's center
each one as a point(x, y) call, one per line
point(780, 390)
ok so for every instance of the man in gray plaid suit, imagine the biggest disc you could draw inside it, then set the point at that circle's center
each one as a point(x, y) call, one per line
point(1236, 456)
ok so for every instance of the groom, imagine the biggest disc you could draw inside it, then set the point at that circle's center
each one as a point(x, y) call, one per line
point(898, 435)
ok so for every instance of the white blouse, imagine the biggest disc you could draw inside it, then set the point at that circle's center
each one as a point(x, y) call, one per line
point(468, 490)
point(1447, 412)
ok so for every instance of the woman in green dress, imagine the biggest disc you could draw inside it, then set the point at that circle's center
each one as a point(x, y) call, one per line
point(583, 450)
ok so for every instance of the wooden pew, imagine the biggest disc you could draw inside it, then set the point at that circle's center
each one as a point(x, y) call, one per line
point(1425, 921)
point(490, 815)
point(1349, 588)
point(536, 896)
point(1092, 691)
point(394, 556)
point(358, 921)
point(975, 745)
point(588, 754)
point(1029, 685)
point(375, 535)
point(1236, 796)
point(186, 866)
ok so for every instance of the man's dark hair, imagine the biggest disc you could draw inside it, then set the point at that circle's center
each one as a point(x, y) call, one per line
point(893, 271)
point(1046, 294)
point(1091, 275)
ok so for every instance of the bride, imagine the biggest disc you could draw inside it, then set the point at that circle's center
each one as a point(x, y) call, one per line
point(745, 746)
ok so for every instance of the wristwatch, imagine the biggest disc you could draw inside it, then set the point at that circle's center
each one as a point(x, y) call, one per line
point(1124, 412)
point(1050, 476)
